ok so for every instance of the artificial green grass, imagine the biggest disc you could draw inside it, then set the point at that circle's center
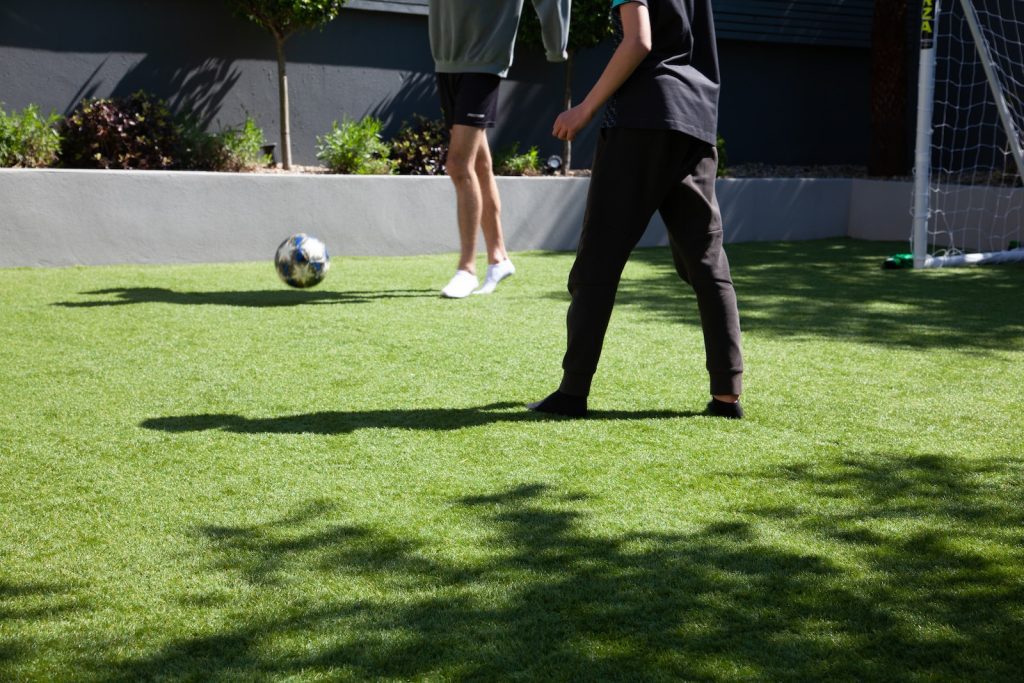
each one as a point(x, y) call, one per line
point(206, 476)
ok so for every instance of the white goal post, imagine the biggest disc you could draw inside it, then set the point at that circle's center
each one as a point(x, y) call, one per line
point(968, 203)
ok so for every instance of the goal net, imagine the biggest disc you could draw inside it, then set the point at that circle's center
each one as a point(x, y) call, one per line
point(968, 195)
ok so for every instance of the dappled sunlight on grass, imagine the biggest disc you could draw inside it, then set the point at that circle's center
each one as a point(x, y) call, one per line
point(837, 289)
point(205, 475)
point(548, 599)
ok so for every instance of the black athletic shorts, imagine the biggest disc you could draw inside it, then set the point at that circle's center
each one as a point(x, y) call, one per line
point(469, 99)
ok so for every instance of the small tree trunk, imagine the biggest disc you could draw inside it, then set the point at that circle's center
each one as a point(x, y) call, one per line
point(567, 102)
point(282, 88)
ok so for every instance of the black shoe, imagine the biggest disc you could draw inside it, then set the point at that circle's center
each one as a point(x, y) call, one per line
point(561, 404)
point(732, 411)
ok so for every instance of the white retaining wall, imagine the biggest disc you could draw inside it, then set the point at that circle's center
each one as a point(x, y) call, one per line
point(65, 217)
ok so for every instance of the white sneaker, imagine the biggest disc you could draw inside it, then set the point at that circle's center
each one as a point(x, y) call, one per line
point(460, 286)
point(496, 273)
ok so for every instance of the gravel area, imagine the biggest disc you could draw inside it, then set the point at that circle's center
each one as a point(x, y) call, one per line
point(295, 170)
point(732, 171)
point(777, 171)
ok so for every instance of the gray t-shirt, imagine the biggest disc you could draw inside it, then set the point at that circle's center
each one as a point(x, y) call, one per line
point(676, 86)
point(478, 36)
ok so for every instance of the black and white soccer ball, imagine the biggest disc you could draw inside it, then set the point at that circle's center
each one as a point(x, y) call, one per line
point(302, 261)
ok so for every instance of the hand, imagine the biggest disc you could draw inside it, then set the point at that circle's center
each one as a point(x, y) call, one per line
point(571, 122)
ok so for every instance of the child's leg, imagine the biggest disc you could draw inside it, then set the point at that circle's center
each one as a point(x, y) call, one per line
point(694, 224)
point(631, 177)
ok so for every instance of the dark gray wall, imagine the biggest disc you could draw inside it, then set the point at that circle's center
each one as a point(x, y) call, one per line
point(781, 103)
point(794, 104)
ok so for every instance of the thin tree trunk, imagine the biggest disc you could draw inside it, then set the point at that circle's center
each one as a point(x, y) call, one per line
point(282, 87)
point(888, 154)
point(567, 97)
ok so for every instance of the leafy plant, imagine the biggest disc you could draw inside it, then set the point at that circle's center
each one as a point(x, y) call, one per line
point(355, 147)
point(135, 132)
point(197, 149)
point(242, 148)
point(420, 148)
point(27, 139)
point(282, 19)
point(233, 149)
point(508, 161)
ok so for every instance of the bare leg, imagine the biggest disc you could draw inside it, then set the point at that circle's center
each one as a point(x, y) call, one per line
point(462, 169)
point(490, 217)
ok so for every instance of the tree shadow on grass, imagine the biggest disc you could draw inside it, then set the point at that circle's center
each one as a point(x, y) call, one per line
point(943, 540)
point(29, 603)
point(30, 600)
point(250, 299)
point(345, 422)
point(543, 596)
point(837, 289)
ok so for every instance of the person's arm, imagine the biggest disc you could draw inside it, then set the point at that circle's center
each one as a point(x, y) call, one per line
point(635, 45)
point(554, 27)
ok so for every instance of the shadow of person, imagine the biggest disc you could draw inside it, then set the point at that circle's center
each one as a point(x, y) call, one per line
point(345, 422)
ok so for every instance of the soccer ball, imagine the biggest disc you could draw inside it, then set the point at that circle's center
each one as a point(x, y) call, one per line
point(302, 261)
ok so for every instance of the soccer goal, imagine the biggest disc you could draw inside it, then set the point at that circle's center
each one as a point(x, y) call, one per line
point(968, 198)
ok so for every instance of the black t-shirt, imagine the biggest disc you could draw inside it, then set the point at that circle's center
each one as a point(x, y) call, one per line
point(676, 86)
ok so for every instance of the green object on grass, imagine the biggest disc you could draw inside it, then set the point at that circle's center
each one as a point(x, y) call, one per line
point(899, 261)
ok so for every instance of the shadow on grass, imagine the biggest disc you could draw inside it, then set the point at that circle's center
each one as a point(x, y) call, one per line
point(30, 602)
point(837, 289)
point(545, 597)
point(251, 299)
point(342, 422)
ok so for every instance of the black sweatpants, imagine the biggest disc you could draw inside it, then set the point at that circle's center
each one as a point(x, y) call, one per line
point(637, 172)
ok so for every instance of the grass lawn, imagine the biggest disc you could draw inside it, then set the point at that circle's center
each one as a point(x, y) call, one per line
point(206, 476)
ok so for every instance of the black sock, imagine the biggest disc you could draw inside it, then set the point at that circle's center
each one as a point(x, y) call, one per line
point(559, 403)
point(722, 409)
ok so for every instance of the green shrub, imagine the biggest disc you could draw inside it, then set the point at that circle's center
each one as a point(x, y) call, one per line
point(28, 140)
point(135, 132)
point(355, 147)
point(420, 148)
point(244, 146)
point(508, 161)
point(197, 150)
point(233, 149)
